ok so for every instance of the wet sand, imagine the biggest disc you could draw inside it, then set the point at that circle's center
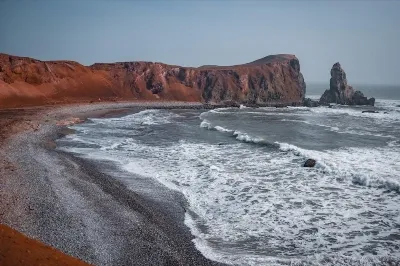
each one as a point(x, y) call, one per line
point(72, 204)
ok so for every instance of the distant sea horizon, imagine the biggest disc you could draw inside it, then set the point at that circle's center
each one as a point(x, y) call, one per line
point(387, 92)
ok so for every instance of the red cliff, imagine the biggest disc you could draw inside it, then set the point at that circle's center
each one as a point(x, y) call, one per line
point(26, 81)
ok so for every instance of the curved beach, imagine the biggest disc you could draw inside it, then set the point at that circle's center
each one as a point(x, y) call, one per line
point(70, 204)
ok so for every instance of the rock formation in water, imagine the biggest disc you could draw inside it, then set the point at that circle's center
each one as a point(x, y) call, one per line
point(310, 163)
point(311, 103)
point(272, 79)
point(341, 93)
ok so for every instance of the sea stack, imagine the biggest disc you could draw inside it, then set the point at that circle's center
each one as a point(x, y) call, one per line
point(341, 93)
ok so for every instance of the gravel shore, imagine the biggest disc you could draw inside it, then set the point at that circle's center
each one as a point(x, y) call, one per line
point(73, 205)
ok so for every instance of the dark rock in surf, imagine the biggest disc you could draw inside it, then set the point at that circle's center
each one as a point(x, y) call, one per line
point(341, 93)
point(310, 103)
point(360, 99)
point(310, 163)
point(370, 111)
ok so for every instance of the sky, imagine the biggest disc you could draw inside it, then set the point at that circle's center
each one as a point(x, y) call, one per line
point(363, 35)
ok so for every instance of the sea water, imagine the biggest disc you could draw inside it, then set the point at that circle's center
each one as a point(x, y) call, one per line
point(250, 200)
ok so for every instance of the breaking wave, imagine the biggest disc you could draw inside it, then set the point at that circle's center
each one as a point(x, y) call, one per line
point(260, 200)
point(360, 165)
point(333, 161)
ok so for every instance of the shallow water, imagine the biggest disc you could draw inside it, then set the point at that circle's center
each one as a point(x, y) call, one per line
point(250, 200)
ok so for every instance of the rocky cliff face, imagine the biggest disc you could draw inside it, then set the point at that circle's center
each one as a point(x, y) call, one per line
point(340, 92)
point(26, 81)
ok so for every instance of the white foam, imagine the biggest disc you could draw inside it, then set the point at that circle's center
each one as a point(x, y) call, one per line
point(390, 117)
point(394, 143)
point(360, 132)
point(145, 117)
point(241, 136)
point(391, 105)
point(246, 137)
point(249, 202)
point(111, 147)
point(220, 110)
point(222, 129)
point(303, 108)
point(369, 167)
point(230, 217)
point(79, 139)
point(205, 124)
point(310, 123)
point(363, 133)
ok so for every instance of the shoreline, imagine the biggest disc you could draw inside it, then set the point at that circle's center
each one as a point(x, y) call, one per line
point(71, 204)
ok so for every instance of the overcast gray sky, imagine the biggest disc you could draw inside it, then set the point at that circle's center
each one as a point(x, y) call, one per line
point(364, 36)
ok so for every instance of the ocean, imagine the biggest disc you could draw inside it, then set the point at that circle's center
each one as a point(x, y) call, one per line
point(250, 201)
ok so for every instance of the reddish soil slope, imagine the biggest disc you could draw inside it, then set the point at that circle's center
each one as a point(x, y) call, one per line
point(25, 81)
point(18, 250)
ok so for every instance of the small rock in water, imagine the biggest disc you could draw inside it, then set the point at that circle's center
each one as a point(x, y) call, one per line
point(310, 163)
point(310, 103)
point(370, 111)
point(385, 112)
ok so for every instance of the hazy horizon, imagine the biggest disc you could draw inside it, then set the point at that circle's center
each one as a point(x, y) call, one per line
point(362, 35)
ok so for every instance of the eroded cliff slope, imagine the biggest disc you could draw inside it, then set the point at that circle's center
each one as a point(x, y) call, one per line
point(272, 79)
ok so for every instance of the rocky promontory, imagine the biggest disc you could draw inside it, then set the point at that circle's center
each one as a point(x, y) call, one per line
point(341, 93)
point(272, 79)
